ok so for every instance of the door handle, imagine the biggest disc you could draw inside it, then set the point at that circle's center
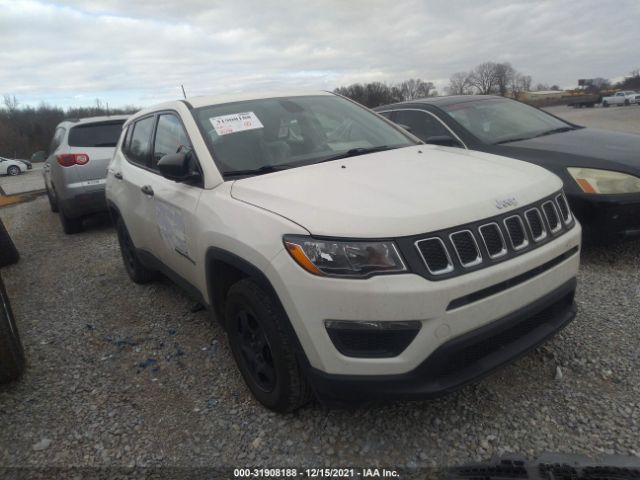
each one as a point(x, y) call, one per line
point(118, 175)
point(147, 190)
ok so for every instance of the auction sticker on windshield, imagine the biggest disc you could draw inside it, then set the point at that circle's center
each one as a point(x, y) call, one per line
point(236, 122)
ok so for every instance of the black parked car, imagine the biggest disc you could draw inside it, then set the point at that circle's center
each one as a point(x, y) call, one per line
point(600, 169)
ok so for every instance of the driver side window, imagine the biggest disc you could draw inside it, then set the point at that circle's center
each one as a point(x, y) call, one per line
point(170, 138)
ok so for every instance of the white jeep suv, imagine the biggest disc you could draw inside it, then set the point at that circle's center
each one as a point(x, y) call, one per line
point(344, 258)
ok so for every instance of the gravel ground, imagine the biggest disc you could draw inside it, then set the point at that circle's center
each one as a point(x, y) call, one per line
point(122, 374)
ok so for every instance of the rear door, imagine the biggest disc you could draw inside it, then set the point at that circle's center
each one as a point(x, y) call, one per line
point(131, 173)
point(173, 204)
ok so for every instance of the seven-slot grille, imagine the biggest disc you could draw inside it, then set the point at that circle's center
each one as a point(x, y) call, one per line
point(456, 250)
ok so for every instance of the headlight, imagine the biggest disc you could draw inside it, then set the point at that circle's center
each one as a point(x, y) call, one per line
point(342, 258)
point(592, 180)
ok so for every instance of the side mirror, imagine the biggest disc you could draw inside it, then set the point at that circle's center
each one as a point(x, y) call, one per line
point(176, 167)
point(444, 140)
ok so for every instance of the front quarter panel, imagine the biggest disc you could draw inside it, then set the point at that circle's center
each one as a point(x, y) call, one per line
point(244, 230)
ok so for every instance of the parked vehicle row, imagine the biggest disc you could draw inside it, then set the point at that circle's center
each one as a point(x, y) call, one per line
point(600, 169)
point(347, 257)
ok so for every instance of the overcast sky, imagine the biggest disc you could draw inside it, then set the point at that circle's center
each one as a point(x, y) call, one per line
point(69, 53)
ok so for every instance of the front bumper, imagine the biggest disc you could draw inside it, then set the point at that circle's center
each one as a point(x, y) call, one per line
point(461, 360)
point(607, 218)
point(446, 309)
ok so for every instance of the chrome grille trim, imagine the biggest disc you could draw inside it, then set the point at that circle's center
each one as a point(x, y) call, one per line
point(442, 271)
point(543, 235)
point(493, 240)
point(478, 258)
point(502, 252)
point(562, 198)
point(525, 241)
point(558, 217)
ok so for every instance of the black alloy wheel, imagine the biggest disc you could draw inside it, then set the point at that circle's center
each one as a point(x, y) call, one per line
point(255, 350)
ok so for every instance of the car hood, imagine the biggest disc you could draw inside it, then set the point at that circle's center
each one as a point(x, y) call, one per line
point(397, 192)
point(591, 147)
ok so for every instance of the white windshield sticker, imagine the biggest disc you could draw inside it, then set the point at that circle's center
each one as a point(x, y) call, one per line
point(236, 122)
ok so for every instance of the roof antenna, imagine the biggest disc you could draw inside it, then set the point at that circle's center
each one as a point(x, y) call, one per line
point(183, 94)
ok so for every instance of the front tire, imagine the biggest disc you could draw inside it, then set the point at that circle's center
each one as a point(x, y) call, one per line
point(262, 349)
point(8, 251)
point(135, 269)
point(627, 103)
point(11, 351)
point(13, 171)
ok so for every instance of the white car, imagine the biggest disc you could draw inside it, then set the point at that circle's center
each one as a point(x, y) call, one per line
point(344, 258)
point(11, 167)
point(622, 98)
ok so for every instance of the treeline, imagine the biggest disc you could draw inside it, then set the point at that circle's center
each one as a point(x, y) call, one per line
point(25, 130)
point(492, 78)
point(379, 93)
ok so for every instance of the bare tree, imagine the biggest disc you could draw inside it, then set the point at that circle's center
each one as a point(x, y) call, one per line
point(415, 88)
point(459, 84)
point(519, 84)
point(11, 102)
point(371, 94)
point(484, 78)
point(504, 74)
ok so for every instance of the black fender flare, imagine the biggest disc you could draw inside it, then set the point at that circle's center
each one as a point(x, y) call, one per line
point(215, 254)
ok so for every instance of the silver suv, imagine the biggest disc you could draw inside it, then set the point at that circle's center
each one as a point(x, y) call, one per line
point(75, 170)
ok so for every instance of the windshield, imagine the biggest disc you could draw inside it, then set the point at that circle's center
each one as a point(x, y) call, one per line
point(502, 120)
point(262, 135)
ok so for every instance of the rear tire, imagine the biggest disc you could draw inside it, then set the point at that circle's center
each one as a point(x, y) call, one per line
point(13, 171)
point(70, 225)
point(627, 103)
point(262, 349)
point(135, 269)
point(8, 251)
point(53, 203)
point(605, 104)
point(11, 351)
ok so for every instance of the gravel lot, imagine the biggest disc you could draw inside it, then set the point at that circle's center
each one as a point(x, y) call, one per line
point(29, 181)
point(122, 375)
point(623, 119)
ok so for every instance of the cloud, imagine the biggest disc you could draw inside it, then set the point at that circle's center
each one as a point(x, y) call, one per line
point(141, 52)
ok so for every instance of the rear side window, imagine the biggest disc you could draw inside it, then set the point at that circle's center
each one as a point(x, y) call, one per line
point(104, 134)
point(58, 136)
point(422, 124)
point(138, 149)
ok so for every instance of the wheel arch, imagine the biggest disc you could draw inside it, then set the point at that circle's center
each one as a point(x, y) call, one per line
point(223, 269)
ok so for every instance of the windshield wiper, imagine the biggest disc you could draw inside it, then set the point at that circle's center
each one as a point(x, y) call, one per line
point(257, 171)
point(554, 130)
point(354, 152)
point(548, 132)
